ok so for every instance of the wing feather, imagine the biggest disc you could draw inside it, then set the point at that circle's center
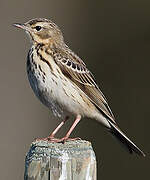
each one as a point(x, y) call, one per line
point(75, 69)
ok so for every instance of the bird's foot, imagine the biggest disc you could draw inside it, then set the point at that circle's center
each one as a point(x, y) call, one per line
point(57, 140)
point(49, 139)
point(64, 139)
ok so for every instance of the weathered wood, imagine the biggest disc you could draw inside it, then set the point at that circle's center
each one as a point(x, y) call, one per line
point(73, 160)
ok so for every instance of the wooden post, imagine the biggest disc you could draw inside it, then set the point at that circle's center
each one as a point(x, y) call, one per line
point(73, 160)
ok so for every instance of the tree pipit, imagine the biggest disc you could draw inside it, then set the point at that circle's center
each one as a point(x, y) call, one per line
point(62, 82)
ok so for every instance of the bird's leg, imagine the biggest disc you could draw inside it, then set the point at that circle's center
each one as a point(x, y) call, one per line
point(51, 136)
point(66, 137)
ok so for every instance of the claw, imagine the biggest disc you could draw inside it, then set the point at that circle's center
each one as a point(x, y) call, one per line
point(57, 140)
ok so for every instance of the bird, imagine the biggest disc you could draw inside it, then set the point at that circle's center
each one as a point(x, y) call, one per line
point(62, 82)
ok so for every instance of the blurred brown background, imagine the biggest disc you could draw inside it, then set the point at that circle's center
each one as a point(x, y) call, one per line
point(113, 38)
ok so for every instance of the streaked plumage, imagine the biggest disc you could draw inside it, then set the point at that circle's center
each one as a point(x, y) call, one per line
point(61, 80)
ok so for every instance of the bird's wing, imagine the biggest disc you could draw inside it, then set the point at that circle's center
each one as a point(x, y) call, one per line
point(77, 72)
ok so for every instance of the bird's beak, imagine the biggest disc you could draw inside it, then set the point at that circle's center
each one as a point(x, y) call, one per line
point(21, 26)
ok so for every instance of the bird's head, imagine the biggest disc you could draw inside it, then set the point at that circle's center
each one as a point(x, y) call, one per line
point(42, 31)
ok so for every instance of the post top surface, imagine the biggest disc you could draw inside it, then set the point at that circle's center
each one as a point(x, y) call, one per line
point(75, 148)
point(67, 145)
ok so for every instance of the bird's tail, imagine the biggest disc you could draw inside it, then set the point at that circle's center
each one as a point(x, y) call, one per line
point(125, 141)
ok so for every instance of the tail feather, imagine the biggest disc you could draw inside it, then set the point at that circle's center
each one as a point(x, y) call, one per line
point(125, 141)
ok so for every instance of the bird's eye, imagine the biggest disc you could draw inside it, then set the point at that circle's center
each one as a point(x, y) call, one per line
point(38, 28)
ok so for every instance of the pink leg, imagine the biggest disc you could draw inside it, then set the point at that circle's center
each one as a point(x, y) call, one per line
point(78, 118)
point(57, 128)
point(51, 137)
